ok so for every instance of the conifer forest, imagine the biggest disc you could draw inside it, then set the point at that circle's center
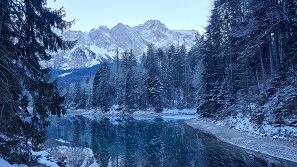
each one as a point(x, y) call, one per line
point(243, 67)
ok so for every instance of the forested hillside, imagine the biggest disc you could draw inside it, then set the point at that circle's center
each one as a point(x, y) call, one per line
point(249, 59)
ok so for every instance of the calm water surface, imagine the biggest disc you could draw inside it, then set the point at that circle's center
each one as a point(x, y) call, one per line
point(127, 141)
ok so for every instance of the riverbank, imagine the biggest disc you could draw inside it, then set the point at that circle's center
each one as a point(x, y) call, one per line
point(113, 112)
point(265, 145)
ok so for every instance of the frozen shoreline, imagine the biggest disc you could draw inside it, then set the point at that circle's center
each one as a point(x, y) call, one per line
point(280, 149)
point(166, 113)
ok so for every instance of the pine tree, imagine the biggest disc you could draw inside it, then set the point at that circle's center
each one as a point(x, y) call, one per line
point(80, 96)
point(248, 43)
point(26, 36)
point(180, 76)
point(116, 76)
point(130, 81)
point(194, 71)
point(153, 87)
point(103, 92)
point(213, 62)
point(168, 77)
point(84, 99)
point(290, 33)
point(77, 95)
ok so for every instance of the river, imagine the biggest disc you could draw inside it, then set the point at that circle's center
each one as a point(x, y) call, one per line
point(150, 141)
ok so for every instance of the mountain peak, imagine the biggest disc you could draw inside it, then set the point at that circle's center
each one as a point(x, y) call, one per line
point(99, 44)
point(153, 25)
point(121, 25)
point(154, 22)
point(103, 29)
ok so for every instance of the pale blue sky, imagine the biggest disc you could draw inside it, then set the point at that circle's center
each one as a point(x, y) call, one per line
point(175, 14)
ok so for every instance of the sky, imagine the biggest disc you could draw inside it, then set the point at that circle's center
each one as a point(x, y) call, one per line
point(175, 14)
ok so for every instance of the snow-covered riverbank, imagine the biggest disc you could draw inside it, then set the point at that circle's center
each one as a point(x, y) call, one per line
point(266, 145)
point(166, 113)
point(43, 160)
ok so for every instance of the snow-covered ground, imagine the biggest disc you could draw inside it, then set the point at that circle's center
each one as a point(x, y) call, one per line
point(277, 148)
point(243, 123)
point(183, 117)
point(43, 160)
point(263, 114)
point(76, 156)
point(166, 113)
point(4, 163)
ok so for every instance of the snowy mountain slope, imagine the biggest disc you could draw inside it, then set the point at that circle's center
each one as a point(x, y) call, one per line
point(100, 44)
point(66, 77)
point(153, 31)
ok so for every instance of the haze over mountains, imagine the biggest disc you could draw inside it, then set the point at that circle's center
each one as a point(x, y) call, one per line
point(100, 44)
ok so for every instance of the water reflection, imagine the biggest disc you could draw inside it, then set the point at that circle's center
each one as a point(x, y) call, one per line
point(156, 142)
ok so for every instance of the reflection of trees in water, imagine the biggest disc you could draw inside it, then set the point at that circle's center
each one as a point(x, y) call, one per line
point(102, 139)
point(130, 142)
point(76, 131)
point(131, 138)
point(154, 146)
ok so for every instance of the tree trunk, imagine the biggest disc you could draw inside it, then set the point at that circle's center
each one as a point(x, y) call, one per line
point(3, 5)
point(287, 26)
point(258, 80)
point(262, 65)
point(277, 48)
point(231, 67)
point(271, 56)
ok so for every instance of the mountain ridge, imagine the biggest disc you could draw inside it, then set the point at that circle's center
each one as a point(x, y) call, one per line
point(99, 44)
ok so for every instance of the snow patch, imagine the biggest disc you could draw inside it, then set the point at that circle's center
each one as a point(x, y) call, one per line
point(117, 111)
point(62, 141)
point(74, 155)
point(65, 74)
point(100, 51)
point(183, 117)
point(4, 163)
point(43, 158)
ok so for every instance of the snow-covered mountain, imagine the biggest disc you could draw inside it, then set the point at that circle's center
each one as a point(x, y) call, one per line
point(100, 44)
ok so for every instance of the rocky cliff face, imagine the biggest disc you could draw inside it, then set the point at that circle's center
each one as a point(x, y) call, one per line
point(100, 44)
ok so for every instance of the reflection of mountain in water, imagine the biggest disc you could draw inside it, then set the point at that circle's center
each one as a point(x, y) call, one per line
point(155, 142)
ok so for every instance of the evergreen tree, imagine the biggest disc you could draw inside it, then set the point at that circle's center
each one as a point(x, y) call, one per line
point(103, 92)
point(26, 36)
point(168, 77)
point(77, 94)
point(194, 70)
point(179, 76)
point(290, 33)
point(116, 76)
point(153, 87)
point(213, 62)
point(68, 96)
point(130, 81)
point(248, 44)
